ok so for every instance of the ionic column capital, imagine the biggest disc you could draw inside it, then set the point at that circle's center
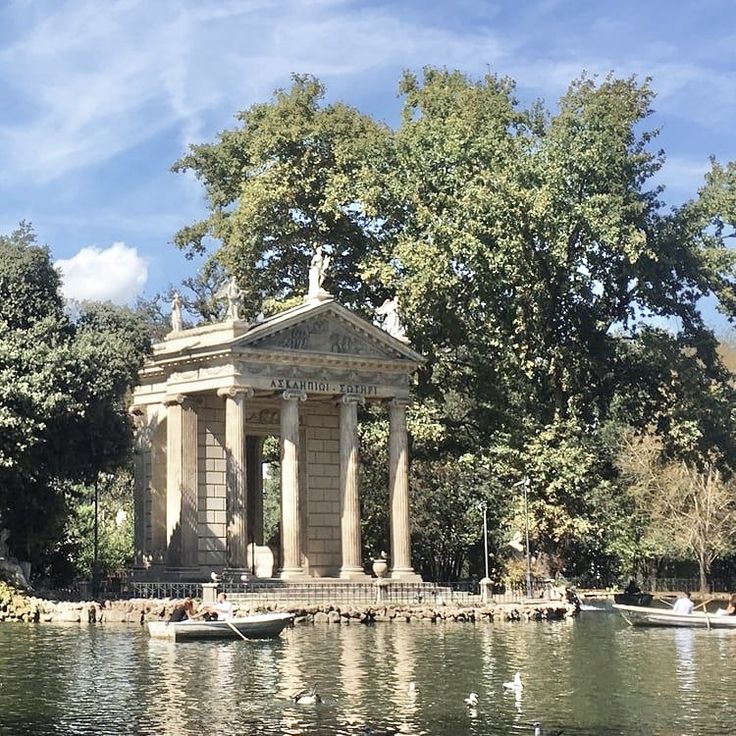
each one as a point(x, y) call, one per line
point(173, 399)
point(230, 392)
point(351, 399)
point(399, 402)
point(294, 395)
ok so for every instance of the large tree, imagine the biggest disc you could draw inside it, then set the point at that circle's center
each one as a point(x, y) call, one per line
point(62, 395)
point(281, 184)
point(530, 252)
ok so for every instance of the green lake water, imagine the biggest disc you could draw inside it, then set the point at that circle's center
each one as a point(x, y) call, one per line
point(593, 675)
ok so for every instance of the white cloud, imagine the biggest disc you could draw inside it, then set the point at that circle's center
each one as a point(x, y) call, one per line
point(115, 274)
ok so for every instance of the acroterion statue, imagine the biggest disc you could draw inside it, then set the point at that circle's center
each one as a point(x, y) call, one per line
point(389, 310)
point(317, 269)
point(176, 319)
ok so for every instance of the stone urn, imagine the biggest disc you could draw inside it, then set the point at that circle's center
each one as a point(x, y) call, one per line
point(380, 567)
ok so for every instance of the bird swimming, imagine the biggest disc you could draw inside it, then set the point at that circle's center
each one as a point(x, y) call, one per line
point(307, 696)
point(472, 700)
point(515, 684)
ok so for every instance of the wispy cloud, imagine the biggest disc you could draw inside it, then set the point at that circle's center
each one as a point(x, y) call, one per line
point(99, 83)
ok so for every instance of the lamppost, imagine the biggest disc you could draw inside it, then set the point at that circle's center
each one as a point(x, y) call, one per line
point(486, 586)
point(95, 542)
point(525, 486)
point(524, 483)
point(485, 536)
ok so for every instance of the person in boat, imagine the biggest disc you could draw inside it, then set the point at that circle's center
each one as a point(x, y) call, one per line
point(223, 608)
point(683, 604)
point(632, 588)
point(182, 611)
point(731, 607)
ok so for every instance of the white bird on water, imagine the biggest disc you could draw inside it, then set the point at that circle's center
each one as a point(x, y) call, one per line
point(472, 700)
point(515, 685)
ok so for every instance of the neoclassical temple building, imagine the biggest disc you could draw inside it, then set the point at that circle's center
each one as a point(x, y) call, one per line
point(209, 396)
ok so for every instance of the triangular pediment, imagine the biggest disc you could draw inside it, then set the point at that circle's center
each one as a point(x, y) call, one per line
point(328, 329)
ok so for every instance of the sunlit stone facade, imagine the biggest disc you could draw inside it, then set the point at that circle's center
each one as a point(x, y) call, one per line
point(207, 399)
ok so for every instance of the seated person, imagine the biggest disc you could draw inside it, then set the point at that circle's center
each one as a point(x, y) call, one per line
point(632, 588)
point(683, 604)
point(182, 611)
point(223, 608)
point(731, 607)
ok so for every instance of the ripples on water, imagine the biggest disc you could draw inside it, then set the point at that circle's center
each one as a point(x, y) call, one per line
point(591, 676)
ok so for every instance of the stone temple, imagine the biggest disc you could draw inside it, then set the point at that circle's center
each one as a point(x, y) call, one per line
point(207, 399)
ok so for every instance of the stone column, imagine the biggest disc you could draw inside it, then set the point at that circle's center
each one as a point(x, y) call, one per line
point(142, 450)
point(157, 488)
point(181, 482)
point(291, 554)
point(398, 451)
point(235, 475)
point(349, 489)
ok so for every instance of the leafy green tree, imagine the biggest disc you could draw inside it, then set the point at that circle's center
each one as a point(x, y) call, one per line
point(62, 395)
point(75, 554)
point(279, 186)
point(530, 252)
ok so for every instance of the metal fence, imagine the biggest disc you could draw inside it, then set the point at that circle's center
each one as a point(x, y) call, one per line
point(267, 592)
point(717, 585)
point(383, 591)
point(348, 593)
point(164, 590)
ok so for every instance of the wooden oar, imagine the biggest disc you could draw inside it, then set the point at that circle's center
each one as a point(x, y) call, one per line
point(702, 605)
point(663, 600)
point(234, 628)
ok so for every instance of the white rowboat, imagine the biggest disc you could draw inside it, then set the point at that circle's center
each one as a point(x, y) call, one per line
point(646, 616)
point(258, 626)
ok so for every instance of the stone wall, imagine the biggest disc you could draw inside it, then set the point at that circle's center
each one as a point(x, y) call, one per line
point(16, 606)
point(322, 488)
point(212, 509)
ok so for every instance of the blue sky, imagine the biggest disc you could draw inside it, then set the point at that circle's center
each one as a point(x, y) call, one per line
point(98, 99)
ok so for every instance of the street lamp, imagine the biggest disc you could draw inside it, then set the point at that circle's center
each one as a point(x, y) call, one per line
point(524, 483)
point(485, 536)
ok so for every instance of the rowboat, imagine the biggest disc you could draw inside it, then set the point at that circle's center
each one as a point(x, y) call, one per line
point(257, 626)
point(645, 616)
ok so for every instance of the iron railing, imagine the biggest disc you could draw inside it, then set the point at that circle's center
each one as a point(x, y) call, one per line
point(165, 590)
point(717, 585)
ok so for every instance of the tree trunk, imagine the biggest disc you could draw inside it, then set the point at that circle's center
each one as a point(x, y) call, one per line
point(703, 568)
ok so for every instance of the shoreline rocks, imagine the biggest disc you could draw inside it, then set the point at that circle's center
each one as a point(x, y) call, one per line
point(16, 606)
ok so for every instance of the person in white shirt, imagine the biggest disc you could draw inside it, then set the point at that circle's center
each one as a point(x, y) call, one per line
point(683, 604)
point(223, 608)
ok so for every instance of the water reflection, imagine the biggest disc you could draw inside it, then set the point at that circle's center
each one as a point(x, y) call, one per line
point(685, 669)
point(595, 677)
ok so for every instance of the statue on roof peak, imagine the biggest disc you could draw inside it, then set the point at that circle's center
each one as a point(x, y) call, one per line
point(317, 269)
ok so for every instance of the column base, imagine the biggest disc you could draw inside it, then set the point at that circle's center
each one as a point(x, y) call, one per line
point(293, 573)
point(353, 573)
point(405, 575)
